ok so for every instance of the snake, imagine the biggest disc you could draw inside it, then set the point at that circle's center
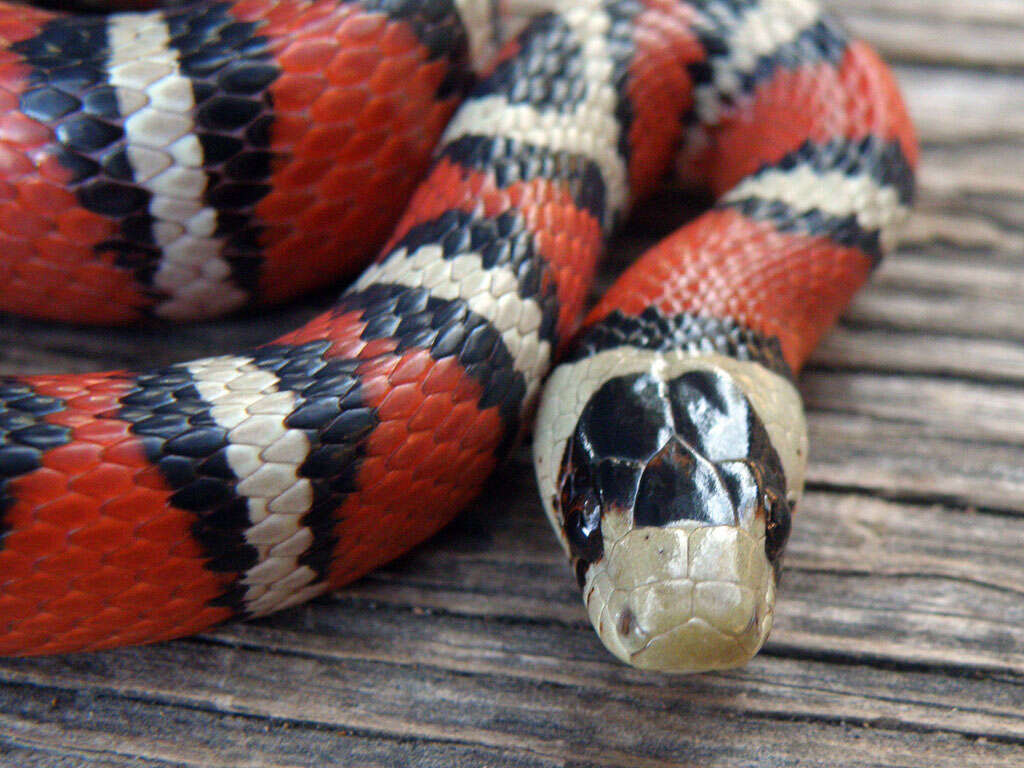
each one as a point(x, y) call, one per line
point(183, 162)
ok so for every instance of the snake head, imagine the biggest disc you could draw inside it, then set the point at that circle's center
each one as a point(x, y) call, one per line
point(672, 501)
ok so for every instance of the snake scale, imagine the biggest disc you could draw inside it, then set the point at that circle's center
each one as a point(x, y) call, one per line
point(209, 157)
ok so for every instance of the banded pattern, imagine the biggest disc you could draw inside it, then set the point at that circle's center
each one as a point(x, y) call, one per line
point(181, 137)
point(857, 192)
point(530, 102)
point(747, 41)
point(654, 330)
point(487, 269)
point(265, 457)
point(670, 446)
point(688, 360)
point(151, 70)
point(218, 436)
point(291, 468)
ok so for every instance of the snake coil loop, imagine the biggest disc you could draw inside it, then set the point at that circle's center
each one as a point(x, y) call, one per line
point(230, 154)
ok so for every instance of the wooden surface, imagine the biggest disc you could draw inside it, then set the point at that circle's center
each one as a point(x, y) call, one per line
point(900, 631)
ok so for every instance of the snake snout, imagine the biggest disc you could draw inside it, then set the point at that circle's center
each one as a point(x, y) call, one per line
point(690, 598)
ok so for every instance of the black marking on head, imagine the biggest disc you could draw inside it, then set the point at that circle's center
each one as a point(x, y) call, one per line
point(622, 426)
point(445, 328)
point(654, 330)
point(580, 508)
point(679, 484)
point(627, 418)
point(712, 414)
point(513, 161)
point(692, 448)
point(25, 436)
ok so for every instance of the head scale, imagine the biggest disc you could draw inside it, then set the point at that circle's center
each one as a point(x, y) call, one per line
point(673, 502)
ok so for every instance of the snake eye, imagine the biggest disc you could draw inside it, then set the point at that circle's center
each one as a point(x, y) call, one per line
point(583, 526)
point(580, 505)
point(777, 520)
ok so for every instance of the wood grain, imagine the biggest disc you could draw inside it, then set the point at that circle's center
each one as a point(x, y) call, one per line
point(900, 631)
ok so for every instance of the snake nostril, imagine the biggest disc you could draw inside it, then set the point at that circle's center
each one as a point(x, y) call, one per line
point(626, 622)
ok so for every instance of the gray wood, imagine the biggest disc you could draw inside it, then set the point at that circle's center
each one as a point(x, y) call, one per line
point(900, 632)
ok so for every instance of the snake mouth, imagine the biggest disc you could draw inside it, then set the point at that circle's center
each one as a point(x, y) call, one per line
point(689, 598)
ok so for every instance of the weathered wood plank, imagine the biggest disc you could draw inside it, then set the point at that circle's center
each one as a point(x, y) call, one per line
point(902, 461)
point(937, 407)
point(508, 624)
point(997, 12)
point(950, 105)
point(969, 177)
point(975, 33)
point(935, 294)
point(27, 346)
point(766, 740)
point(35, 728)
point(888, 351)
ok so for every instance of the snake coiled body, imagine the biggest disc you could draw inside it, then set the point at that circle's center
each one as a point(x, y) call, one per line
point(198, 160)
